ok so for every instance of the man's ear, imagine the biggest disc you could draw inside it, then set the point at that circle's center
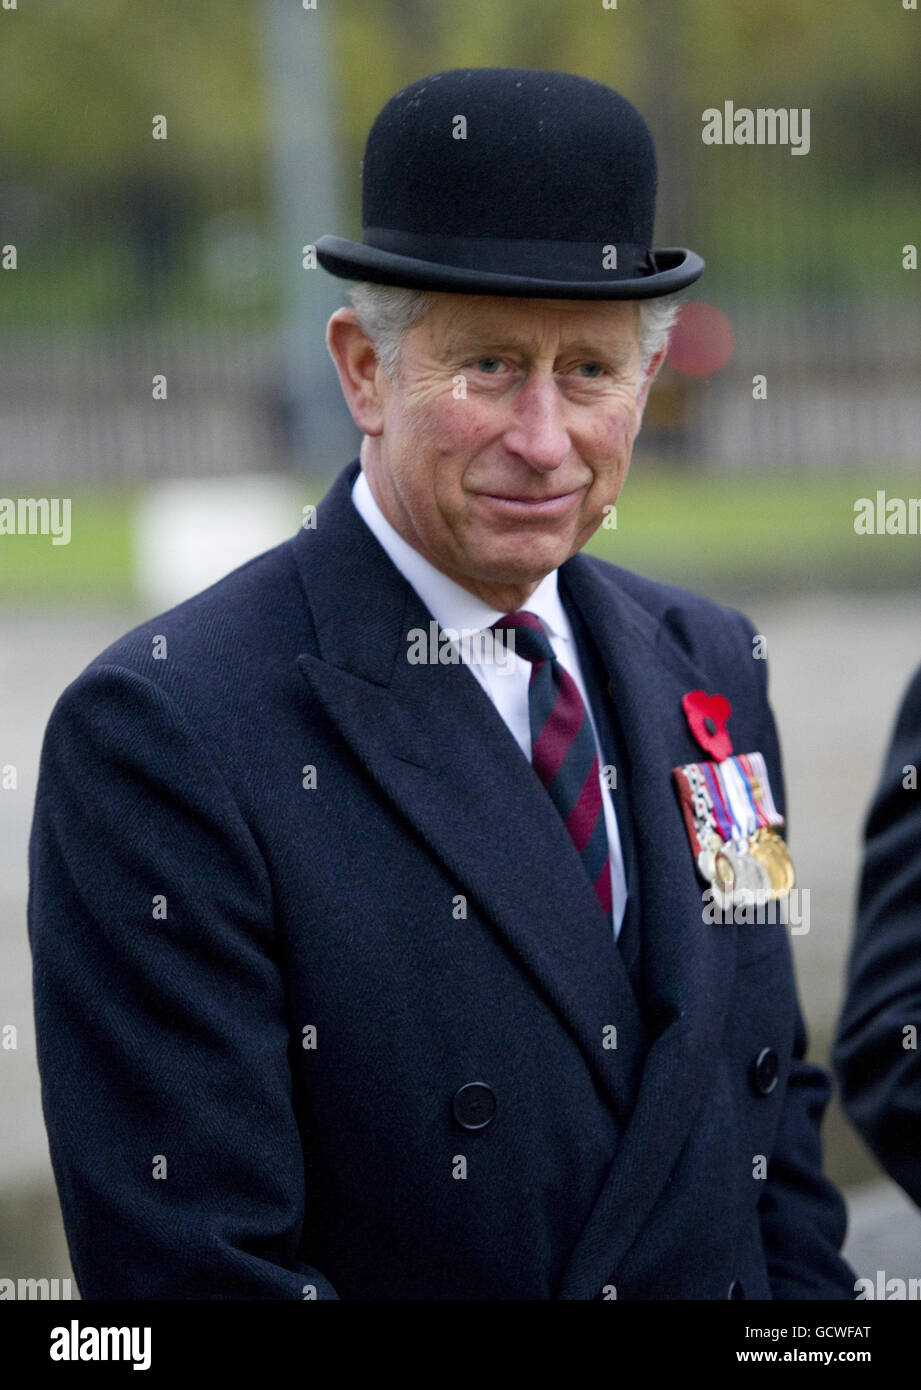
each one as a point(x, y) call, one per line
point(649, 376)
point(360, 373)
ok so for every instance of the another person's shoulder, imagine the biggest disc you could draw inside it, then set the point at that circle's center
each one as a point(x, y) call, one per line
point(908, 719)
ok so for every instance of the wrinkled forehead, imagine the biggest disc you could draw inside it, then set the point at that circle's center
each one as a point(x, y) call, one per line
point(458, 322)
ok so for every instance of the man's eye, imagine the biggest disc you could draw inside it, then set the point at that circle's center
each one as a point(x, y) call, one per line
point(591, 369)
point(489, 365)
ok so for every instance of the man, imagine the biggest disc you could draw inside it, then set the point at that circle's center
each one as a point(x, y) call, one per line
point(876, 1053)
point(371, 955)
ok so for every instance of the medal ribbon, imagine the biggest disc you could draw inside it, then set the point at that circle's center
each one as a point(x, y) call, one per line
point(720, 809)
point(701, 802)
point(751, 776)
point(740, 796)
point(767, 809)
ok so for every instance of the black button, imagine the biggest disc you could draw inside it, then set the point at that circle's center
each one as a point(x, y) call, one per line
point(710, 724)
point(474, 1105)
point(736, 1289)
point(765, 1071)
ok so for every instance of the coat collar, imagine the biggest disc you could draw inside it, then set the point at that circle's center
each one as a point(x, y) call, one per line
point(477, 805)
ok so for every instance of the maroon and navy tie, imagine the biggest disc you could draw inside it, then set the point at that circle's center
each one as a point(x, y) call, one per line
point(563, 751)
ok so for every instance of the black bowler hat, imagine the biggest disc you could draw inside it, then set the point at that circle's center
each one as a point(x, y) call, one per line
point(510, 181)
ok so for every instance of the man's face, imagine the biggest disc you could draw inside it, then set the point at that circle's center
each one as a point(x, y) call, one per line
point(508, 433)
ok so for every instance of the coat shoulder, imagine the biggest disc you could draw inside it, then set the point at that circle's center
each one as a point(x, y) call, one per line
point(255, 613)
point(709, 633)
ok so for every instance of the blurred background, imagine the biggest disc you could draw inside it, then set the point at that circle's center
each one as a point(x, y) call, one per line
point(127, 258)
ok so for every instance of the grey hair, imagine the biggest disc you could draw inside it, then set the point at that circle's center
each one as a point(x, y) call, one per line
point(657, 319)
point(386, 313)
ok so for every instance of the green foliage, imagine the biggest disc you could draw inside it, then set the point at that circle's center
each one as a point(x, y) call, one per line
point(83, 80)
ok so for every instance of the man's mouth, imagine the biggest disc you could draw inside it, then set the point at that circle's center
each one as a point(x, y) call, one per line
point(557, 502)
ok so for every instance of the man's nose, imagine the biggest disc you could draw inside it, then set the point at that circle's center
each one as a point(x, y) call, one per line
point(538, 434)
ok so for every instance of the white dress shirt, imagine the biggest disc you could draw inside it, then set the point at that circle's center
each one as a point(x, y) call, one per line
point(454, 607)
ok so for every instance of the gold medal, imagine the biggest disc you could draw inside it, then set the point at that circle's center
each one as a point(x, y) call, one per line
point(771, 851)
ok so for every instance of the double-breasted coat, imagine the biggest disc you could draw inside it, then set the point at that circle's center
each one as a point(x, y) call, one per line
point(347, 1033)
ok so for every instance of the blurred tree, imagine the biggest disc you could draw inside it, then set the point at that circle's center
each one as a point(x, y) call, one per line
point(83, 81)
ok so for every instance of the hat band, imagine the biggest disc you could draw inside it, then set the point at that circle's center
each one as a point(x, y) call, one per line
point(549, 260)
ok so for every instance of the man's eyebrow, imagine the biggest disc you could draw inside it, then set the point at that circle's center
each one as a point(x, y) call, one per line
point(618, 352)
point(483, 340)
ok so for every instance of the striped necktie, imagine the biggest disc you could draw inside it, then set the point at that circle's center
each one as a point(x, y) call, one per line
point(563, 751)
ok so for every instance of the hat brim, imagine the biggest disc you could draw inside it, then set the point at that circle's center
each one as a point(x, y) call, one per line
point(352, 260)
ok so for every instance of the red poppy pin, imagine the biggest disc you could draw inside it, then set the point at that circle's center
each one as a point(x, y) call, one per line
point(707, 715)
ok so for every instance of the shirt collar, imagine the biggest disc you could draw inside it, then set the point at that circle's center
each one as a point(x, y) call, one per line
point(450, 604)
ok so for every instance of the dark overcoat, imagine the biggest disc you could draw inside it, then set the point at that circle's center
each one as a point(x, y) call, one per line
point(877, 1053)
point(257, 998)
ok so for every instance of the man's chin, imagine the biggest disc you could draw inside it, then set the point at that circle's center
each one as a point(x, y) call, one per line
point(500, 567)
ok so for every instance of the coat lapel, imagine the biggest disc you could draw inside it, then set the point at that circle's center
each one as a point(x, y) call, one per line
point(433, 742)
point(688, 963)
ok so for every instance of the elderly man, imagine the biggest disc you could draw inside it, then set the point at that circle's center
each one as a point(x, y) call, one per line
point(371, 887)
